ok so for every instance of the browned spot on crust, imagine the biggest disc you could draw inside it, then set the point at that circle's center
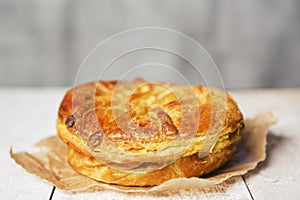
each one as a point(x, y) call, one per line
point(70, 121)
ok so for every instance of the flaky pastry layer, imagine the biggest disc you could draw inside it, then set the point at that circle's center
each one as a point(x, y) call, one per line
point(190, 166)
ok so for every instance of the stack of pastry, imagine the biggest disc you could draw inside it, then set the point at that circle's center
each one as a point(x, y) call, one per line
point(145, 133)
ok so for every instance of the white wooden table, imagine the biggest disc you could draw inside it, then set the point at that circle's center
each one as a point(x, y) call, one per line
point(28, 115)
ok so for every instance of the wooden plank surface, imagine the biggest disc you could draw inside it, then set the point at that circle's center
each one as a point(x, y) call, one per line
point(28, 115)
point(279, 176)
point(232, 189)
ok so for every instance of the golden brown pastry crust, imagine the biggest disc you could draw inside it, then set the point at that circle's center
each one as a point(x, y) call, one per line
point(190, 166)
point(79, 128)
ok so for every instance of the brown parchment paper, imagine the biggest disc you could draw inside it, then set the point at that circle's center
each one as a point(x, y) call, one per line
point(47, 160)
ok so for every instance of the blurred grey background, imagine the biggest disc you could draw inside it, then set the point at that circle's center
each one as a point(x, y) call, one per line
point(255, 43)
